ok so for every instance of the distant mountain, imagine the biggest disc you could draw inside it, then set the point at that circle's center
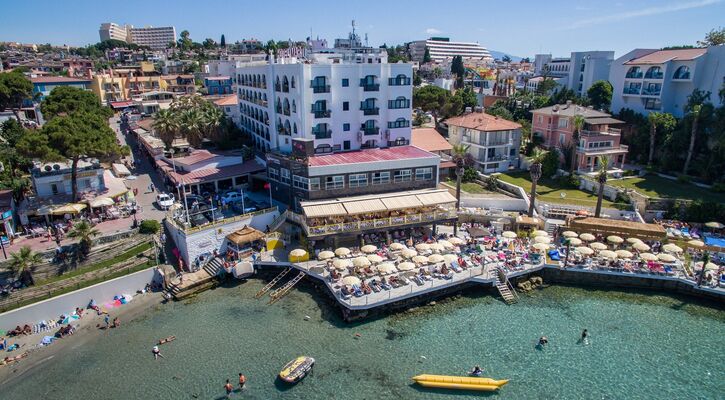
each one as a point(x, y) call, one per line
point(499, 55)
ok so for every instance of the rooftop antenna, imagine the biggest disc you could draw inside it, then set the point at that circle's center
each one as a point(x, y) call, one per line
point(353, 28)
point(366, 40)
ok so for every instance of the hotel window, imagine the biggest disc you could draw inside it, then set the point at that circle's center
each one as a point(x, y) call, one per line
point(345, 82)
point(284, 175)
point(345, 105)
point(314, 184)
point(273, 174)
point(403, 175)
point(335, 182)
point(563, 123)
point(345, 127)
point(381, 178)
point(300, 182)
point(358, 180)
point(424, 174)
point(541, 119)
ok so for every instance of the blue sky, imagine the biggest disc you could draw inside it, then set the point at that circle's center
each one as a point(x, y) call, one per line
point(520, 28)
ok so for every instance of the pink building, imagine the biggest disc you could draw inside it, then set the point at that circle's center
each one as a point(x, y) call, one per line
point(555, 125)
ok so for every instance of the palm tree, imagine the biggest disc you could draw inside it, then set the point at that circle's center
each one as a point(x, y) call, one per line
point(693, 133)
point(85, 232)
point(212, 118)
point(602, 179)
point(166, 126)
point(459, 153)
point(23, 261)
point(191, 125)
point(537, 157)
point(578, 123)
point(657, 119)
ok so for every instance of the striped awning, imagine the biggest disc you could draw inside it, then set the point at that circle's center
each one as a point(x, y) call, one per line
point(324, 210)
point(442, 197)
point(401, 202)
point(364, 206)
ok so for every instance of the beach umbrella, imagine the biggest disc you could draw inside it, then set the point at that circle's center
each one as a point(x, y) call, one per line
point(542, 239)
point(446, 244)
point(672, 248)
point(435, 258)
point(101, 202)
point(541, 246)
point(369, 248)
point(409, 253)
point(608, 254)
point(585, 251)
point(696, 243)
point(360, 262)
point(449, 258)
point(341, 264)
point(397, 246)
point(406, 266)
point(540, 233)
point(664, 257)
point(714, 225)
point(325, 255)
point(708, 266)
point(587, 237)
point(436, 247)
point(342, 252)
point(575, 241)
point(420, 260)
point(509, 235)
point(624, 254)
point(456, 240)
point(641, 246)
point(374, 258)
point(569, 234)
point(351, 280)
point(634, 240)
point(648, 256)
point(598, 246)
point(614, 239)
point(70, 208)
point(422, 246)
point(298, 255)
point(385, 268)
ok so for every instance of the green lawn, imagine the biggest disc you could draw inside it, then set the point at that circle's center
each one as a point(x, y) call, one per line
point(549, 190)
point(656, 186)
point(469, 187)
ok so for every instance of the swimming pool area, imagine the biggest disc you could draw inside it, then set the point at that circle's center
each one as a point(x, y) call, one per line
point(641, 344)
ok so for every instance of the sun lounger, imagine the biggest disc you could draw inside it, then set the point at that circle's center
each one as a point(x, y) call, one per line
point(357, 291)
point(455, 266)
point(385, 286)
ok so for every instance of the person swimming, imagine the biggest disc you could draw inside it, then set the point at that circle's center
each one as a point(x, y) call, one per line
point(156, 352)
point(585, 337)
point(477, 371)
point(167, 340)
point(543, 341)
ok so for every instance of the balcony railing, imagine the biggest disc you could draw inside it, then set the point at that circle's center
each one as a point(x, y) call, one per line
point(370, 87)
point(371, 111)
point(681, 77)
point(357, 226)
point(631, 90)
point(322, 134)
point(370, 130)
point(277, 87)
point(396, 105)
point(320, 89)
point(322, 113)
point(498, 143)
point(636, 75)
point(654, 75)
point(399, 82)
point(651, 92)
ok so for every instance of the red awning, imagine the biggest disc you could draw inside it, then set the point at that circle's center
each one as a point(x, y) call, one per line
point(121, 104)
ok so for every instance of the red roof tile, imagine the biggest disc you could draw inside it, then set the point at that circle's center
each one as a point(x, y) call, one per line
point(662, 56)
point(369, 155)
point(429, 139)
point(210, 174)
point(482, 122)
point(231, 100)
point(195, 157)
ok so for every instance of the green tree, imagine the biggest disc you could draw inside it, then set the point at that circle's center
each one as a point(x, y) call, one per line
point(426, 56)
point(74, 137)
point(600, 95)
point(602, 179)
point(417, 79)
point(545, 86)
point(22, 263)
point(459, 152)
point(14, 89)
point(578, 123)
point(468, 97)
point(550, 163)
point(458, 70)
point(11, 132)
point(537, 157)
point(84, 232)
point(658, 120)
point(185, 42)
point(209, 44)
point(223, 42)
point(437, 101)
point(64, 100)
point(715, 37)
point(506, 58)
point(166, 126)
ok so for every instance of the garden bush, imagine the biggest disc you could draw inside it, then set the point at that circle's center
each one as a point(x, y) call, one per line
point(149, 226)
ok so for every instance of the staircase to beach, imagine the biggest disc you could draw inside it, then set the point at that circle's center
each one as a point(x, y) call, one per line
point(507, 292)
point(272, 283)
point(282, 291)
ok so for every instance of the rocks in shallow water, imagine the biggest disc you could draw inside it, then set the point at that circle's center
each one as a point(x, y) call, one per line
point(307, 317)
point(536, 280)
point(524, 286)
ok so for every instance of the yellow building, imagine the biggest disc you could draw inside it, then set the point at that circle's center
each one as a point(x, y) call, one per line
point(110, 88)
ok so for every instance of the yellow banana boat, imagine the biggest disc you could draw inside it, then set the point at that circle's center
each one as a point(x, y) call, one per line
point(459, 382)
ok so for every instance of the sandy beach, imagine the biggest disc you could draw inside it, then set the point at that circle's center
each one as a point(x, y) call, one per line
point(87, 330)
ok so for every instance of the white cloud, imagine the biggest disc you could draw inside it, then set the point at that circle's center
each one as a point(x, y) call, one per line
point(640, 13)
point(433, 31)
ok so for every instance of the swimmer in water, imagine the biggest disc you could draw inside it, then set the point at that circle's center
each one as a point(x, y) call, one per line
point(477, 371)
point(156, 352)
point(585, 335)
point(543, 341)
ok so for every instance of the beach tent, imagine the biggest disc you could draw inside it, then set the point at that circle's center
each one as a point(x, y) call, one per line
point(608, 254)
point(575, 241)
point(361, 262)
point(666, 257)
point(585, 251)
point(385, 268)
point(409, 253)
point(587, 237)
point(449, 258)
point(298, 255)
point(648, 256)
point(509, 235)
point(624, 254)
point(696, 243)
point(641, 246)
point(422, 247)
point(672, 248)
point(542, 239)
point(540, 233)
point(614, 239)
point(598, 246)
point(437, 247)
point(634, 240)
point(420, 260)
point(456, 240)
point(435, 258)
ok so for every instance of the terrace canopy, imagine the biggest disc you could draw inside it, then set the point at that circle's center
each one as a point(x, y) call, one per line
point(378, 203)
point(607, 227)
point(244, 236)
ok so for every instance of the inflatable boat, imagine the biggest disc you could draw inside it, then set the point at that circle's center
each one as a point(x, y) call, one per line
point(295, 370)
point(459, 382)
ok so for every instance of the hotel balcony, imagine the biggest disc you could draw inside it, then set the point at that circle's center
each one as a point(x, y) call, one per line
point(654, 75)
point(322, 133)
point(651, 92)
point(371, 111)
point(399, 81)
point(322, 113)
point(370, 130)
point(373, 224)
point(320, 88)
point(369, 87)
point(631, 90)
point(637, 75)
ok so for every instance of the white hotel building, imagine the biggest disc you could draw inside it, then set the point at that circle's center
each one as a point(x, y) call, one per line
point(442, 49)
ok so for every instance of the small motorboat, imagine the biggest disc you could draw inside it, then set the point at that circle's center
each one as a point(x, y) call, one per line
point(295, 370)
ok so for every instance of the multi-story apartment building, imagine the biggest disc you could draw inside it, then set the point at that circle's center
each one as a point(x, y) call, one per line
point(555, 125)
point(218, 85)
point(544, 64)
point(77, 66)
point(156, 38)
point(180, 84)
point(441, 48)
point(110, 88)
point(112, 31)
point(587, 67)
point(43, 85)
point(492, 141)
point(646, 80)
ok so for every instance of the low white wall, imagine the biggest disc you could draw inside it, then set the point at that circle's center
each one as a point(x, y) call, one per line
point(63, 304)
point(509, 204)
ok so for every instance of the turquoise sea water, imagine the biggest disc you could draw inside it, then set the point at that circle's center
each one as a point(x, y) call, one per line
point(643, 346)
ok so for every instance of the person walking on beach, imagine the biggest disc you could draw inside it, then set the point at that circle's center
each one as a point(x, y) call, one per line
point(228, 387)
point(106, 320)
point(242, 381)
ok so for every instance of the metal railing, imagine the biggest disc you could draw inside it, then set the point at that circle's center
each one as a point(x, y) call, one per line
point(322, 113)
point(373, 87)
point(371, 111)
point(356, 226)
point(321, 89)
point(235, 218)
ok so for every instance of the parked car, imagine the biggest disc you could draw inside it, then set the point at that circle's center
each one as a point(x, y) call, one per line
point(194, 199)
point(164, 201)
point(232, 197)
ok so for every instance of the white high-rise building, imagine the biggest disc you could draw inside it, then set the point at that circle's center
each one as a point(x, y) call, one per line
point(112, 31)
point(157, 38)
point(341, 101)
point(587, 67)
point(441, 49)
